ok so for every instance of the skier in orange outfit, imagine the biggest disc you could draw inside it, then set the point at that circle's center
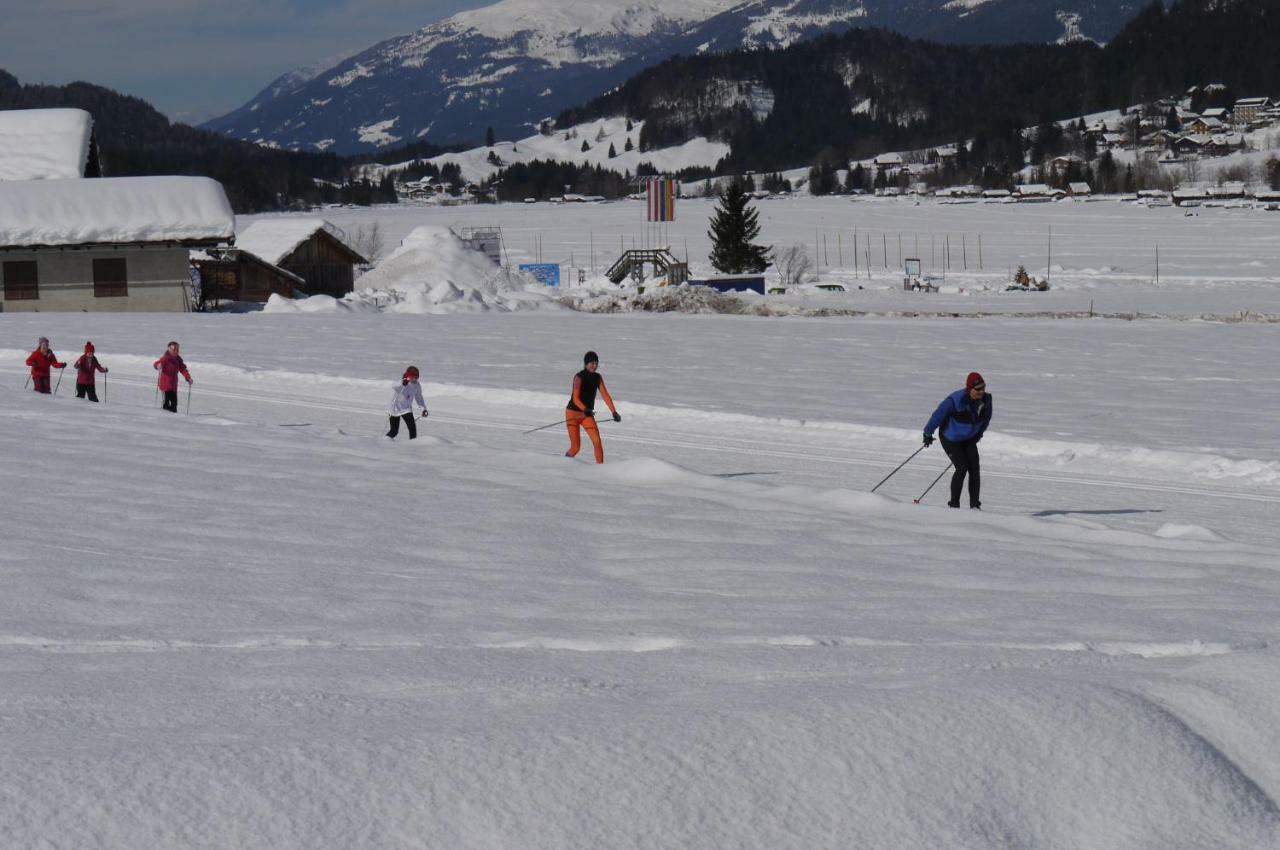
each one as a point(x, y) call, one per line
point(580, 412)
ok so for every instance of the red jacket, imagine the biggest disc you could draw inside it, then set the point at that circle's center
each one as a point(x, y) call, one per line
point(170, 366)
point(40, 363)
point(85, 367)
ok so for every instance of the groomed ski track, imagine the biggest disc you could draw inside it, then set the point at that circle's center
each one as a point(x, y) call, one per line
point(810, 454)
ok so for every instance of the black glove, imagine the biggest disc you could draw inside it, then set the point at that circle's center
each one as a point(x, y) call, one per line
point(589, 414)
point(424, 413)
point(928, 440)
point(617, 417)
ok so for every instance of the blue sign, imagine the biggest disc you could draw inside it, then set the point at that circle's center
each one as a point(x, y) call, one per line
point(547, 273)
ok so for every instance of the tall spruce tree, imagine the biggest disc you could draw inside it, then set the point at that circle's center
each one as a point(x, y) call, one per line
point(488, 137)
point(733, 227)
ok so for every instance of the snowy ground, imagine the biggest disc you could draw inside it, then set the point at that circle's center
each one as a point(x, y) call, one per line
point(1218, 262)
point(223, 632)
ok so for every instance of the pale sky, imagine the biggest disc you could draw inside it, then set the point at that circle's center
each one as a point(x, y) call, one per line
point(195, 59)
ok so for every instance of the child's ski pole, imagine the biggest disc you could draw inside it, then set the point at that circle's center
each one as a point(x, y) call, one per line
point(60, 372)
point(188, 397)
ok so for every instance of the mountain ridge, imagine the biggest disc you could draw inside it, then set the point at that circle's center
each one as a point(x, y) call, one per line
point(512, 64)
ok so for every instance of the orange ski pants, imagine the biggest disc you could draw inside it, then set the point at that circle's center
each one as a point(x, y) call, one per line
point(575, 420)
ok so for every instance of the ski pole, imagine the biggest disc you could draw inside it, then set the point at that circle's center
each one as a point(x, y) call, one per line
point(188, 398)
point(104, 389)
point(895, 471)
point(935, 481)
point(27, 382)
point(545, 427)
point(60, 373)
point(155, 397)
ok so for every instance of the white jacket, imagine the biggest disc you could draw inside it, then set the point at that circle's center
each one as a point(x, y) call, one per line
point(402, 398)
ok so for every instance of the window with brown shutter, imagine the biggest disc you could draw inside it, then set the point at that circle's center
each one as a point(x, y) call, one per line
point(110, 278)
point(20, 280)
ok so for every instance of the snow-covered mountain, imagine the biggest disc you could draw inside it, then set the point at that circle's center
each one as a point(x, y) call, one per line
point(516, 62)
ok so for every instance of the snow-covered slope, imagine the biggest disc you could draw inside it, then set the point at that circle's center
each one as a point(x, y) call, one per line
point(244, 628)
point(518, 61)
point(600, 136)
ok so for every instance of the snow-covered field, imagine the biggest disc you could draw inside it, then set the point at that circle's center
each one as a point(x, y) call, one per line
point(264, 625)
point(1217, 262)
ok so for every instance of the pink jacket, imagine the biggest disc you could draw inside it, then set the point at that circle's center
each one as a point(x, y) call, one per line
point(85, 368)
point(170, 366)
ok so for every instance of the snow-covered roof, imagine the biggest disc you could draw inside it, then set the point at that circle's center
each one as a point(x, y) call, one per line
point(113, 210)
point(44, 144)
point(1036, 189)
point(1253, 101)
point(1079, 188)
point(273, 239)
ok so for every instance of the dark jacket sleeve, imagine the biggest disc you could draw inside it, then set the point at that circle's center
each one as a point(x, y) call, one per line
point(985, 419)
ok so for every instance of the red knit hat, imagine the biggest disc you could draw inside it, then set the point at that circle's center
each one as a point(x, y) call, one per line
point(88, 348)
point(974, 380)
point(411, 372)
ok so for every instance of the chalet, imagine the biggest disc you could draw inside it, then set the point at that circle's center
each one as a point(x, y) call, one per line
point(1250, 109)
point(1037, 193)
point(968, 191)
point(1219, 113)
point(1111, 141)
point(1079, 190)
point(1189, 196)
point(112, 244)
point(1190, 146)
point(1205, 126)
point(228, 275)
point(47, 144)
point(310, 248)
point(1222, 144)
point(888, 164)
point(1062, 163)
point(943, 156)
point(1226, 192)
point(997, 195)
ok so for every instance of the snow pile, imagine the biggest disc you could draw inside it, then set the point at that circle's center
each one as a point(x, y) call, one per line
point(432, 272)
point(660, 299)
point(121, 209)
point(44, 144)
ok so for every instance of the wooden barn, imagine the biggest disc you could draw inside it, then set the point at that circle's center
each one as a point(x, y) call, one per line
point(230, 275)
point(310, 248)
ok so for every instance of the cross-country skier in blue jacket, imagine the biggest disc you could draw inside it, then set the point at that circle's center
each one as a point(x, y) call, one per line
point(963, 417)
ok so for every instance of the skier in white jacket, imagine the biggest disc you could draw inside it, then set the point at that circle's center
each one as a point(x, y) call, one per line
point(403, 395)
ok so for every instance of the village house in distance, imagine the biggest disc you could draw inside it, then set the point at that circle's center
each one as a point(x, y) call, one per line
point(73, 241)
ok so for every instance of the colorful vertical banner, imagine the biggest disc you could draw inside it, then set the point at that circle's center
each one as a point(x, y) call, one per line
point(661, 199)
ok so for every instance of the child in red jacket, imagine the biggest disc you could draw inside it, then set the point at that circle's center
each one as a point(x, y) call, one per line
point(170, 365)
point(40, 362)
point(86, 379)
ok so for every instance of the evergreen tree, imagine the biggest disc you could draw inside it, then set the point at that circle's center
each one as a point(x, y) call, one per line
point(488, 138)
point(733, 227)
point(629, 125)
point(628, 146)
point(585, 147)
point(612, 151)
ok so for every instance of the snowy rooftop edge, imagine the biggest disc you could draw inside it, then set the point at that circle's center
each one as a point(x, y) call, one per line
point(113, 210)
point(273, 239)
point(44, 144)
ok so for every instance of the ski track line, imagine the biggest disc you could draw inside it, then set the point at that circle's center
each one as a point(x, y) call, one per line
point(757, 451)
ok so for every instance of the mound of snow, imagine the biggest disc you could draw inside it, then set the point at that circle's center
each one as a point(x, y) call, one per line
point(432, 271)
point(1176, 531)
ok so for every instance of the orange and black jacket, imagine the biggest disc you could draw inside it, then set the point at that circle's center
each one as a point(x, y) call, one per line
point(585, 385)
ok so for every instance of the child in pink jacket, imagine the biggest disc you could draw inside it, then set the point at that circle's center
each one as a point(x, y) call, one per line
point(170, 366)
point(86, 378)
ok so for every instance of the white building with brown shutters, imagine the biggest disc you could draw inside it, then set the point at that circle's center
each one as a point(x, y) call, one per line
point(111, 244)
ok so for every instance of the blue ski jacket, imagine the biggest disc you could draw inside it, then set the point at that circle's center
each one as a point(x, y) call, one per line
point(960, 417)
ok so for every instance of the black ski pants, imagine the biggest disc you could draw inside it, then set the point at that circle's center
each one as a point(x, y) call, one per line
point(408, 424)
point(170, 401)
point(86, 391)
point(965, 457)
